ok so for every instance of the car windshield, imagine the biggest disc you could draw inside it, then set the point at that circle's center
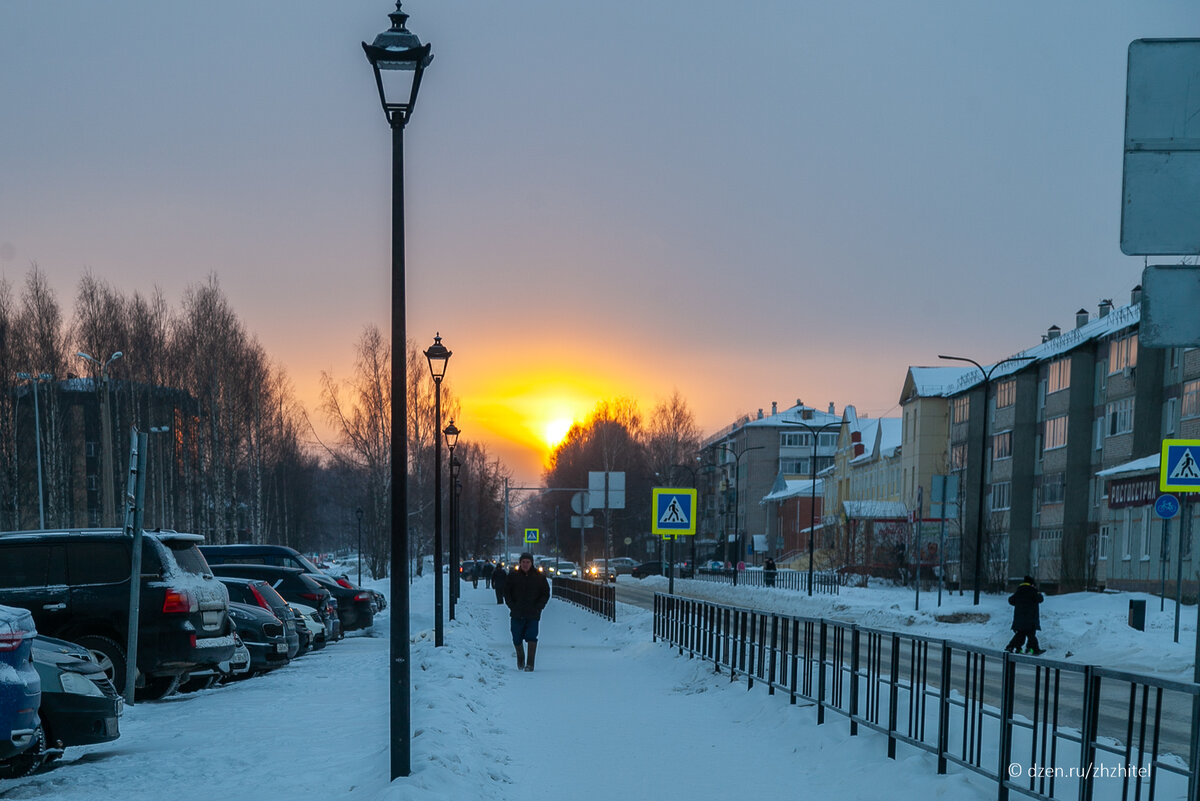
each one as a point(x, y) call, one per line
point(189, 557)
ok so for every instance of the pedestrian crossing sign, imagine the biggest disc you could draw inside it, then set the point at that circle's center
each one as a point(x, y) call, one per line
point(673, 512)
point(531, 535)
point(1179, 466)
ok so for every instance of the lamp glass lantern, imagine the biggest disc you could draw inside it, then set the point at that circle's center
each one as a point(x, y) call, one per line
point(399, 60)
point(451, 431)
point(438, 355)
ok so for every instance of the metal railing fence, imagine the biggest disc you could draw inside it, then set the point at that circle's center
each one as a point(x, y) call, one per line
point(592, 596)
point(823, 582)
point(1044, 728)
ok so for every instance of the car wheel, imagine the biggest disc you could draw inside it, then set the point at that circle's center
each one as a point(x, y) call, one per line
point(29, 760)
point(197, 683)
point(157, 688)
point(108, 654)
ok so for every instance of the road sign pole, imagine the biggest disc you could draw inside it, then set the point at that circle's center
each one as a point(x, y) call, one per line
point(1185, 524)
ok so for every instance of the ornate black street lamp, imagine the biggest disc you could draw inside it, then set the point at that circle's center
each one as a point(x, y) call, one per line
point(398, 54)
point(438, 357)
point(451, 433)
point(814, 432)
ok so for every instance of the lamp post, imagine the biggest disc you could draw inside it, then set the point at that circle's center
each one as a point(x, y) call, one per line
point(983, 435)
point(34, 379)
point(737, 533)
point(399, 56)
point(813, 431)
point(438, 357)
point(451, 433)
point(106, 480)
point(358, 513)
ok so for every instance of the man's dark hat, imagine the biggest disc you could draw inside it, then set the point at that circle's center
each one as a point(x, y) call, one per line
point(1029, 580)
point(526, 555)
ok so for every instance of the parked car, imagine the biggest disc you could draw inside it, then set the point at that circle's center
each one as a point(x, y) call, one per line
point(563, 568)
point(257, 592)
point(264, 636)
point(622, 565)
point(293, 583)
point(647, 569)
point(354, 603)
point(309, 621)
point(20, 690)
point(76, 584)
point(79, 705)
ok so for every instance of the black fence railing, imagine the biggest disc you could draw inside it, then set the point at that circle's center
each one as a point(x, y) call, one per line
point(1043, 728)
point(594, 597)
point(823, 582)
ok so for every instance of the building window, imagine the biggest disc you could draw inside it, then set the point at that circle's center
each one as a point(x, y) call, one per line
point(1060, 376)
point(1006, 394)
point(1122, 353)
point(798, 439)
point(1120, 417)
point(92, 483)
point(91, 449)
point(1052, 489)
point(827, 439)
point(958, 456)
point(1103, 543)
point(1126, 534)
point(1002, 445)
point(1001, 496)
point(1098, 434)
point(1056, 433)
point(960, 409)
point(792, 466)
point(1169, 416)
point(1191, 400)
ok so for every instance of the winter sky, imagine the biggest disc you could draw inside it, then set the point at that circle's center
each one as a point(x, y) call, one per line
point(749, 202)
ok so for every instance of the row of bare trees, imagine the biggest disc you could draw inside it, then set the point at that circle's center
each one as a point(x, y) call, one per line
point(359, 411)
point(230, 463)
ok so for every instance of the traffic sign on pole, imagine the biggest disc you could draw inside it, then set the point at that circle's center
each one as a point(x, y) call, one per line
point(673, 511)
point(531, 535)
point(1179, 466)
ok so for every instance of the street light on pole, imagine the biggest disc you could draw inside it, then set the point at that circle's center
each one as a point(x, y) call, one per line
point(34, 379)
point(399, 56)
point(983, 435)
point(107, 509)
point(451, 433)
point(814, 432)
point(438, 357)
point(737, 463)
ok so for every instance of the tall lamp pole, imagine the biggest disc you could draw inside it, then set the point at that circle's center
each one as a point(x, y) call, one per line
point(814, 432)
point(737, 469)
point(398, 60)
point(438, 357)
point(983, 436)
point(107, 507)
point(451, 433)
point(358, 513)
point(34, 379)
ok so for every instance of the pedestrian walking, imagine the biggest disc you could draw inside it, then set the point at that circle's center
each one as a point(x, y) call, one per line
point(526, 592)
point(475, 575)
point(498, 577)
point(1026, 618)
point(769, 572)
point(487, 575)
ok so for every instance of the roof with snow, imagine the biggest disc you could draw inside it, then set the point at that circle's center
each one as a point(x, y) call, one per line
point(792, 488)
point(875, 510)
point(1150, 462)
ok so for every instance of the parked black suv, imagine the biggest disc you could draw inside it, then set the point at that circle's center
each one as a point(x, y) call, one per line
point(356, 606)
point(76, 584)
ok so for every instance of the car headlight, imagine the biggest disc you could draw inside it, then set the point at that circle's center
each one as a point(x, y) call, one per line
point(78, 684)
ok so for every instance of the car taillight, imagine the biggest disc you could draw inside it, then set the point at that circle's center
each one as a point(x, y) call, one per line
point(11, 640)
point(311, 596)
point(362, 596)
point(259, 599)
point(345, 582)
point(177, 602)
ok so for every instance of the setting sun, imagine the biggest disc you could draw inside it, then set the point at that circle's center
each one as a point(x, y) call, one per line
point(553, 431)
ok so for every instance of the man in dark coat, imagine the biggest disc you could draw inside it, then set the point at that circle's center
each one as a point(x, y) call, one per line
point(498, 577)
point(526, 592)
point(769, 572)
point(1026, 618)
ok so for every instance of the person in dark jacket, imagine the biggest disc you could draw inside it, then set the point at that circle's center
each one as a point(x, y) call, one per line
point(498, 577)
point(526, 592)
point(1026, 618)
point(769, 572)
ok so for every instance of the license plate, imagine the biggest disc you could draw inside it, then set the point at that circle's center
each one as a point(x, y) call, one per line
point(281, 647)
point(212, 620)
point(120, 707)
